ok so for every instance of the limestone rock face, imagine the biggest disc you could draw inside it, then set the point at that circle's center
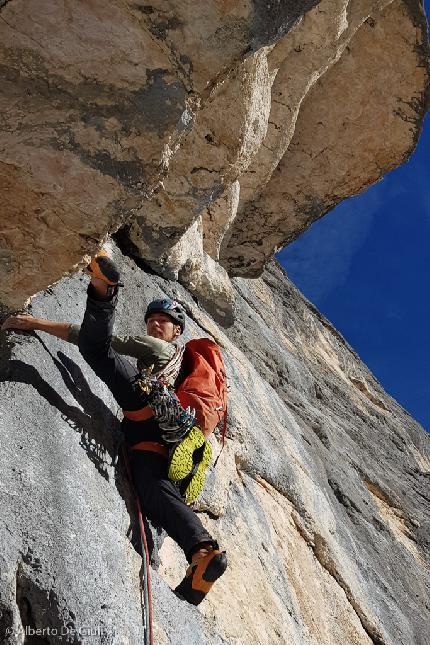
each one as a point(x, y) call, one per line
point(239, 122)
point(358, 121)
point(291, 132)
point(218, 217)
point(95, 99)
point(89, 106)
point(210, 134)
point(225, 136)
point(320, 497)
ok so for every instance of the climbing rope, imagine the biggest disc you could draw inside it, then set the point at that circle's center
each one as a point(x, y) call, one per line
point(145, 580)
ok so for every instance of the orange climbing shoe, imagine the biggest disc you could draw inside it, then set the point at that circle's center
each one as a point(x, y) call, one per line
point(201, 575)
point(105, 269)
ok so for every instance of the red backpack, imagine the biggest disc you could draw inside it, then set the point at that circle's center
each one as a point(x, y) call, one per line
point(204, 387)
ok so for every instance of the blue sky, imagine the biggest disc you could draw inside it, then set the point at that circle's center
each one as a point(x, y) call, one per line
point(366, 267)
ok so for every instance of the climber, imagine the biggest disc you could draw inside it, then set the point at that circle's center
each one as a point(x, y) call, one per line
point(148, 431)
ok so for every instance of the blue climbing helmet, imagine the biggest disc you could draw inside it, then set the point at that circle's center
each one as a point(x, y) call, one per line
point(170, 307)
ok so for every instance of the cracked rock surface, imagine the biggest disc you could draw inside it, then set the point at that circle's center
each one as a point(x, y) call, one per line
point(211, 134)
point(95, 99)
point(344, 113)
point(320, 497)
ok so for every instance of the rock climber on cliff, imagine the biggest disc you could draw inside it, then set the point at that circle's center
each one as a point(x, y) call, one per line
point(168, 451)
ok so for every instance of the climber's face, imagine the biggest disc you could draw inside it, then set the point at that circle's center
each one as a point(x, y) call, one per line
point(160, 325)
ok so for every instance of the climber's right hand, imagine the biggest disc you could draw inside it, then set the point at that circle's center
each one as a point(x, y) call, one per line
point(23, 322)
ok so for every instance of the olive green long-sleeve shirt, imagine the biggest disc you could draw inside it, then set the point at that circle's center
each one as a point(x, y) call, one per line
point(146, 349)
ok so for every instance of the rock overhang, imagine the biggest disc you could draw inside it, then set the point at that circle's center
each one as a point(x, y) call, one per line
point(210, 152)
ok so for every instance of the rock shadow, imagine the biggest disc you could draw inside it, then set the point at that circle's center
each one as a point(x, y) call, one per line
point(93, 437)
point(100, 433)
point(103, 418)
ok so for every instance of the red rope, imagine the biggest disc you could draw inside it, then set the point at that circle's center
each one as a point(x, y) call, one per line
point(146, 579)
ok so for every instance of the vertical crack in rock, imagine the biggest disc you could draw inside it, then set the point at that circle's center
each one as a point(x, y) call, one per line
point(393, 516)
point(6, 347)
point(320, 549)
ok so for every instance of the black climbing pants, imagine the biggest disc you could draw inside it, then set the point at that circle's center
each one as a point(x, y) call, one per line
point(160, 499)
point(163, 503)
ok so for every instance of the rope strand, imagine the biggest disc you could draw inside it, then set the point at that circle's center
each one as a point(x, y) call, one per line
point(145, 580)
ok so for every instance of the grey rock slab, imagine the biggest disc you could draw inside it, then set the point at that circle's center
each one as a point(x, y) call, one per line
point(320, 495)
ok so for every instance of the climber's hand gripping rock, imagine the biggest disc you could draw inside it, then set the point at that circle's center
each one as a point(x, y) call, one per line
point(20, 321)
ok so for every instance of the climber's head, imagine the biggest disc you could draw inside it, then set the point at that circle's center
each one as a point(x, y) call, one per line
point(165, 319)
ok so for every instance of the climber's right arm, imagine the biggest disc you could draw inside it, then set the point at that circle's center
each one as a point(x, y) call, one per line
point(25, 322)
